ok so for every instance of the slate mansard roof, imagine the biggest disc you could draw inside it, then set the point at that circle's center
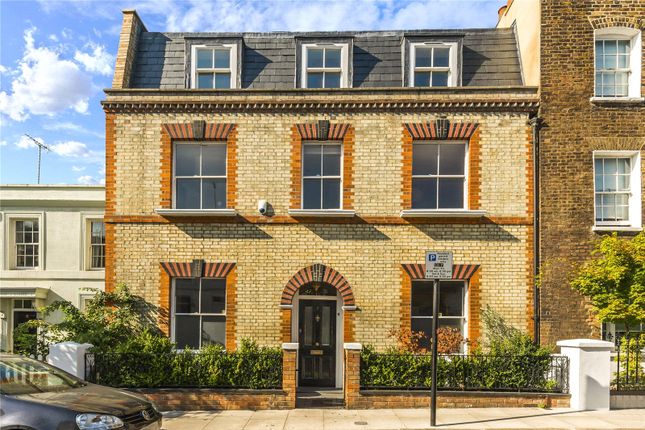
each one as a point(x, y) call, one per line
point(269, 60)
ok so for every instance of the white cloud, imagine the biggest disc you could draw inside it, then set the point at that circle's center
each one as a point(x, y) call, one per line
point(3, 143)
point(86, 180)
point(78, 168)
point(71, 127)
point(45, 85)
point(90, 180)
point(3, 69)
point(71, 149)
point(24, 142)
point(319, 15)
point(97, 61)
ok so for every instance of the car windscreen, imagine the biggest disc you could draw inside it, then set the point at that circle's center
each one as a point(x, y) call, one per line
point(19, 375)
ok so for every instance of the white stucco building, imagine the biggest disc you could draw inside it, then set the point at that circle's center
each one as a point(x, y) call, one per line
point(52, 247)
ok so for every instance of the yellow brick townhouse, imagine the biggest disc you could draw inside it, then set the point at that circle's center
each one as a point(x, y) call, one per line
point(285, 187)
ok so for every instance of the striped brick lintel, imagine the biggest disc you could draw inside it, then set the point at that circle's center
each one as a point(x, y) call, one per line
point(311, 131)
point(189, 131)
point(459, 271)
point(428, 130)
point(329, 276)
point(210, 270)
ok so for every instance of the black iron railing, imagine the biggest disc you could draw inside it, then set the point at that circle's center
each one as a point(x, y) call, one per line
point(262, 370)
point(463, 372)
point(629, 363)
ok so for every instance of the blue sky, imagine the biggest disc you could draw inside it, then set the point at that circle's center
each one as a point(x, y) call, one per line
point(57, 56)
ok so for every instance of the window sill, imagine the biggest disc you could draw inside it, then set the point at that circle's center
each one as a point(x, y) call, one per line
point(197, 212)
point(322, 213)
point(616, 100)
point(441, 213)
point(625, 228)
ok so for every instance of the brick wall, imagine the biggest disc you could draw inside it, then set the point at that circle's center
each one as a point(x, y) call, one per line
point(574, 127)
point(367, 250)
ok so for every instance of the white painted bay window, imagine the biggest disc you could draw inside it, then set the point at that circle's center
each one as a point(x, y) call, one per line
point(199, 175)
point(199, 312)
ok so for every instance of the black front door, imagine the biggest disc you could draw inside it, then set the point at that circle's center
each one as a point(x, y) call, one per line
point(317, 339)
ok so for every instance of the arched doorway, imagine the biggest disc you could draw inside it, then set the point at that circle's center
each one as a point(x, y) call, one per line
point(317, 313)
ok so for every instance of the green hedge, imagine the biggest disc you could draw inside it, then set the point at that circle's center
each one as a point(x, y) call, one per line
point(248, 367)
point(403, 370)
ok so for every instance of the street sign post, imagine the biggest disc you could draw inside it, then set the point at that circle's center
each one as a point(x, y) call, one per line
point(438, 266)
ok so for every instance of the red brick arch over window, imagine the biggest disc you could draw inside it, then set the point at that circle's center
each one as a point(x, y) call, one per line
point(321, 273)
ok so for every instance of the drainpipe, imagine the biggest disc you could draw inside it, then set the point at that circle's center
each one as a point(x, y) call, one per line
point(536, 124)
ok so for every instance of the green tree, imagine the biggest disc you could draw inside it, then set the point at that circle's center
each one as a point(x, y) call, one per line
point(109, 320)
point(614, 280)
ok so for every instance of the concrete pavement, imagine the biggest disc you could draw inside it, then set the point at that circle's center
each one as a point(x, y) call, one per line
point(391, 419)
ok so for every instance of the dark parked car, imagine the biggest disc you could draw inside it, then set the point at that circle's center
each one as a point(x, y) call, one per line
point(37, 396)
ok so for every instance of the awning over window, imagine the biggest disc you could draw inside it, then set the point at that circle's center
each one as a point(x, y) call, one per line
point(23, 293)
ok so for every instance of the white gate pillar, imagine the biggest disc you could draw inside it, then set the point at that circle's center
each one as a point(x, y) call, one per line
point(589, 372)
point(69, 356)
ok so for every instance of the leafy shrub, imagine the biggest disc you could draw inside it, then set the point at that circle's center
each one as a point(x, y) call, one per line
point(109, 320)
point(158, 365)
point(449, 340)
point(507, 361)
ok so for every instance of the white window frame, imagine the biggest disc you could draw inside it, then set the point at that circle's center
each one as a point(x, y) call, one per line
point(439, 176)
point(453, 74)
point(464, 306)
point(344, 63)
point(232, 48)
point(87, 237)
point(175, 177)
point(634, 77)
point(12, 257)
point(322, 177)
point(173, 313)
point(635, 214)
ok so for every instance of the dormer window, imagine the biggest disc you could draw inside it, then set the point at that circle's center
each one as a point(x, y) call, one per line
point(617, 63)
point(433, 65)
point(325, 66)
point(214, 67)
